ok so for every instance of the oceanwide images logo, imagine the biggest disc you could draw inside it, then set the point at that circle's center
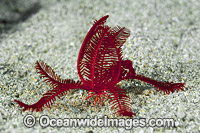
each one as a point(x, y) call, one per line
point(129, 123)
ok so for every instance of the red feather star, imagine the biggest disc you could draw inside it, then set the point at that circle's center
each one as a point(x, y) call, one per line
point(100, 67)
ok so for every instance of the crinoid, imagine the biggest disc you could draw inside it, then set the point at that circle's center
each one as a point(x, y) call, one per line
point(100, 67)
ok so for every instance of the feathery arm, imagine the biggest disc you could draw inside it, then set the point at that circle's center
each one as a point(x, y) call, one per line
point(60, 87)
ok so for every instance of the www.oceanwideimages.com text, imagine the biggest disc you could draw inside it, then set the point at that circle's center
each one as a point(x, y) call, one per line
point(129, 123)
